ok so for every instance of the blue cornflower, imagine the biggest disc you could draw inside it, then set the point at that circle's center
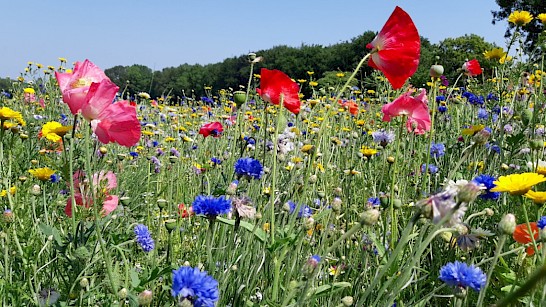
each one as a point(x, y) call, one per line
point(383, 137)
point(460, 274)
point(432, 169)
point(374, 201)
point(207, 100)
point(133, 154)
point(437, 150)
point(442, 109)
point(144, 238)
point(487, 182)
point(482, 114)
point(492, 96)
point(54, 178)
point(198, 287)
point(210, 205)
point(249, 167)
point(304, 211)
point(440, 98)
point(216, 161)
point(493, 147)
point(541, 222)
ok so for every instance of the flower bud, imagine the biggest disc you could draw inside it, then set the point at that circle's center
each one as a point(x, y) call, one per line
point(173, 159)
point(481, 137)
point(309, 223)
point(36, 190)
point(468, 192)
point(313, 178)
point(232, 188)
point(336, 205)
point(239, 97)
point(145, 298)
point(347, 301)
point(338, 191)
point(369, 217)
point(390, 159)
point(7, 216)
point(507, 225)
point(161, 203)
point(103, 150)
point(436, 71)
point(536, 144)
point(526, 117)
point(84, 283)
point(122, 294)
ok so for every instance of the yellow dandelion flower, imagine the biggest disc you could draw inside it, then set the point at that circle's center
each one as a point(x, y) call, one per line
point(313, 83)
point(340, 75)
point(320, 167)
point(43, 174)
point(542, 18)
point(29, 90)
point(494, 54)
point(308, 148)
point(187, 139)
point(54, 131)
point(169, 139)
point(368, 152)
point(520, 18)
point(517, 184)
point(538, 198)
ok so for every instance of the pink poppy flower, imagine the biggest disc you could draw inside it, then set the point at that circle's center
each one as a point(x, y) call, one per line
point(472, 68)
point(103, 183)
point(273, 84)
point(396, 49)
point(215, 129)
point(74, 86)
point(415, 108)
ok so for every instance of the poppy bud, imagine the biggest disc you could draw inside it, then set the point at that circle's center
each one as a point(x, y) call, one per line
point(251, 56)
point(170, 224)
point(507, 225)
point(161, 203)
point(36, 190)
point(239, 97)
point(436, 71)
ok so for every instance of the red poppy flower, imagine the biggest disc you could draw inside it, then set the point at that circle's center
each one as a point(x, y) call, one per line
point(215, 129)
point(521, 235)
point(273, 84)
point(184, 213)
point(414, 107)
point(472, 68)
point(396, 49)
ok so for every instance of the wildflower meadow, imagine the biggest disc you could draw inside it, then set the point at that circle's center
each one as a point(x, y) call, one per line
point(375, 193)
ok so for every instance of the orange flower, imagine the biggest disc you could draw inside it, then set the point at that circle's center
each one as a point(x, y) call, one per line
point(521, 235)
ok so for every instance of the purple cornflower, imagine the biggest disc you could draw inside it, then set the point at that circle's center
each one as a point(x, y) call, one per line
point(483, 114)
point(383, 137)
point(437, 150)
point(304, 211)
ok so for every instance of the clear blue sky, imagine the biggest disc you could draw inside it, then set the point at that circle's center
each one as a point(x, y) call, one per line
point(166, 33)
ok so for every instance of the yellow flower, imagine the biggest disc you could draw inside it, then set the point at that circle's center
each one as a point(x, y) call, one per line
point(505, 58)
point(367, 152)
point(494, 54)
point(63, 60)
point(517, 184)
point(542, 18)
point(7, 114)
point(312, 72)
point(313, 83)
point(169, 139)
point(308, 148)
point(29, 90)
point(43, 174)
point(340, 75)
point(473, 129)
point(302, 80)
point(537, 197)
point(54, 131)
point(520, 18)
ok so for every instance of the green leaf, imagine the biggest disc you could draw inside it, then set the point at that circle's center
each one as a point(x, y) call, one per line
point(257, 231)
point(51, 231)
point(328, 289)
point(135, 281)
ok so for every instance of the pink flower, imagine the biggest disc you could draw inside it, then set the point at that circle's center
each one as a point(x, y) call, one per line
point(396, 48)
point(472, 68)
point(103, 183)
point(415, 108)
point(74, 86)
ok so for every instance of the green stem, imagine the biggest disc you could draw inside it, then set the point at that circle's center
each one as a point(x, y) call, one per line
point(274, 173)
point(394, 224)
point(512, 298)
point(210, 236)
point(498, 250)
